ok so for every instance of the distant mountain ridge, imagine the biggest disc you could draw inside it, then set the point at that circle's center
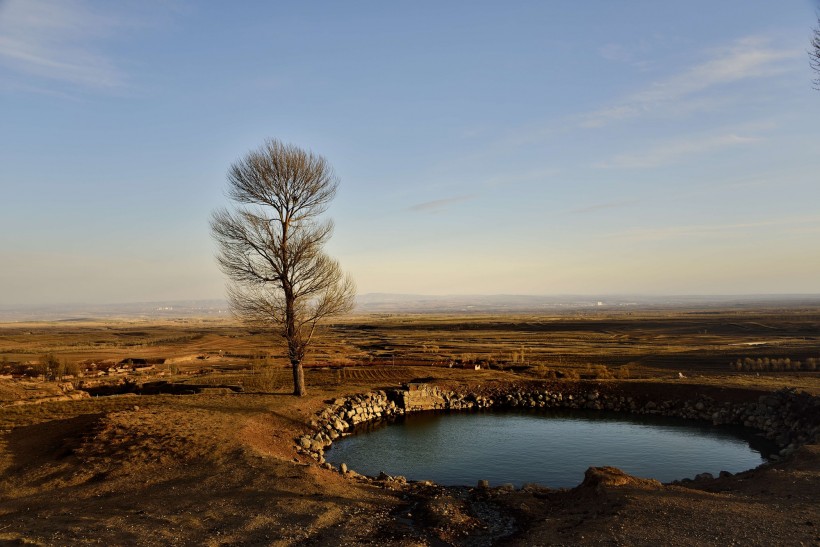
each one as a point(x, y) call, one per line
point(505, 303)
point(135, 310)
point(412, 303)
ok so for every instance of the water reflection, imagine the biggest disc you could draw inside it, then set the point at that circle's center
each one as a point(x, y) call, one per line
point(552, 448)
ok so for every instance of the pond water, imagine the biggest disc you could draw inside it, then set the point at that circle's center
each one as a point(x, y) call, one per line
point(551, 448)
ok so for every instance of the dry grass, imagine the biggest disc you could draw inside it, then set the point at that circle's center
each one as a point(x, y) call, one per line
point(217, 469)
point(598, 345)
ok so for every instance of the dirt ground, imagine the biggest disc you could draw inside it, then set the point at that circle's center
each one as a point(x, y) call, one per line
point(221, 468)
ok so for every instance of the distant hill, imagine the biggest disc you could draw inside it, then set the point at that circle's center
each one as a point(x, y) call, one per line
point(147, 310)
point(405, 303)
point(414, 303)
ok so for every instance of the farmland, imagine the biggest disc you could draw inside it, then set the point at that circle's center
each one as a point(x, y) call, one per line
point(220, 465)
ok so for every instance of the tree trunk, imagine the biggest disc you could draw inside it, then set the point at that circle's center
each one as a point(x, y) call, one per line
point(298, 379)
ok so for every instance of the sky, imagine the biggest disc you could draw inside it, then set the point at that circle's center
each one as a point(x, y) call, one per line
point(522, 147)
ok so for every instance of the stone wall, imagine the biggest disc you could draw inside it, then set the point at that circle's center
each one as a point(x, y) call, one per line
point(788, 417)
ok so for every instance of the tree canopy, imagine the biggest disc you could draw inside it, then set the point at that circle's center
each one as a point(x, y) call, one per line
point(271, 246)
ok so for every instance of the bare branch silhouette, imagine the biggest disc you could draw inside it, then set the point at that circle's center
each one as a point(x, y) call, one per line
point(270, 247)
point(814, 54)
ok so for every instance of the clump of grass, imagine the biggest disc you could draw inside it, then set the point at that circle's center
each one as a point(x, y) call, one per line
point(571, 374)
point(623, 372)
point(597, 372)
point(589, 372)
point(541, 371)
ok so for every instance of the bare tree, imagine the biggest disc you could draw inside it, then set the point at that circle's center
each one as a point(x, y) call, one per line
point(270, 246)
point(814, 54)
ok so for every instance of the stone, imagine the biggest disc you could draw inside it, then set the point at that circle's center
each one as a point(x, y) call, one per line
point(483, 483)
point(343, 468)
point(770, 401)
point(781, 416)
point(704, 477)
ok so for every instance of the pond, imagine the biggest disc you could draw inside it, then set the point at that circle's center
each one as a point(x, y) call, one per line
point(552, 448)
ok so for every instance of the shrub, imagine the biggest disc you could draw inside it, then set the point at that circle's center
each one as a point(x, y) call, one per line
point(542, 371)
point(48, 367)
point(596, 372)
point(774, 364)
point(72, 368)
point(623, 372)
point(265, 377)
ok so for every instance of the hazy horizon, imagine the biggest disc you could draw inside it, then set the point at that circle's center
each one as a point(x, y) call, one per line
point(417, 304)
point(400, 295)
point(536, 148)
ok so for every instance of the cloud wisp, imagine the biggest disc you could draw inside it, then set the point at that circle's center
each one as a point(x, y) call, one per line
point(632, 55)
point(674, 151)
point(800, 225)
point(439, 204)
point(603, 206)
point(57, 41)
point(750, 57)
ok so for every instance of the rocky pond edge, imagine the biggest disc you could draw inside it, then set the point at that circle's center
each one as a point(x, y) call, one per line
point(788, 417)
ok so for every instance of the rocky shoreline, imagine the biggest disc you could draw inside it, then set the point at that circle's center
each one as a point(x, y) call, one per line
point(787, 417)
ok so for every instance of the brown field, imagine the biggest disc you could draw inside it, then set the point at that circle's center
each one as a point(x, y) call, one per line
point(220, 468)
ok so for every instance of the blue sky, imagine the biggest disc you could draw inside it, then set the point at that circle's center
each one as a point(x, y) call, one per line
point(483, 147)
